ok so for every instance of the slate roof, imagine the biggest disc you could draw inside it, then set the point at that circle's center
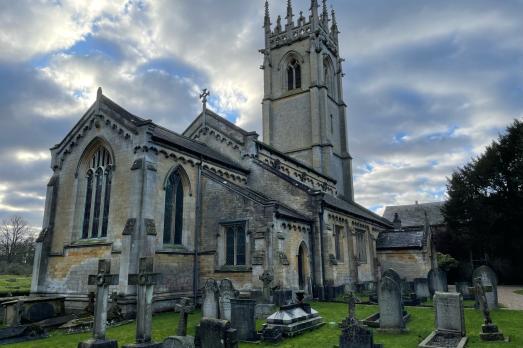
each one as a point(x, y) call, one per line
point(391, 240)
point(414, 214)
point(355, 209)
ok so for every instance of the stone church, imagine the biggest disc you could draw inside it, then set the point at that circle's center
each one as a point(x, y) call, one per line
point(216, 201)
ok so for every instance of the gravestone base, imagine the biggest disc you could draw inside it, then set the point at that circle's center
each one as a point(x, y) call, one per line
point(93, 343)
point(356, 336)
point(490, 332)
point(144, 345)
point(295, 319)
point(374, 320)
point(178, 342)
point(273, 334)
point(443, 339)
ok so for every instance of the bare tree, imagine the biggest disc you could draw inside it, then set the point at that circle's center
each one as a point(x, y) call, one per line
point(14, 236)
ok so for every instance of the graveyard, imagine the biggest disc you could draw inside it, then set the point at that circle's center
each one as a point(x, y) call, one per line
point(419, 326)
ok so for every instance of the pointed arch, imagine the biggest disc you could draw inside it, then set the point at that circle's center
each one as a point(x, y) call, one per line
point(94, 172)
point(176, 186)
point(329, 75)
point(291, 67)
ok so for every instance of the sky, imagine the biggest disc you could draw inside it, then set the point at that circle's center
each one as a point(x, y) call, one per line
point(428, 83)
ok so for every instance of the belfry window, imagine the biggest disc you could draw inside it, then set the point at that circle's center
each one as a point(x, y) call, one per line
point(173, 216)
point(235, 246)
point(293, 75)
point(97, 195)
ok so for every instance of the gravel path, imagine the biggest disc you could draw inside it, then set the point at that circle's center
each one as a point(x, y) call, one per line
point(508, 298)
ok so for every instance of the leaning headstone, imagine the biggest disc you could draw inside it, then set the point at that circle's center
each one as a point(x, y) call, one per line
point(489, 331)
point(437, 281)
point(421, 287)
point(488, 279)
point(102, 280)
point(450, 322)
point(243, 319)
point(391, 309)
point(210, 299)
point(145, 281)
point(227, 292)
point(215, 333)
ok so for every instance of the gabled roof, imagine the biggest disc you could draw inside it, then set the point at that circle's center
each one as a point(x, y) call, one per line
point(390, 240)
point(414, 214)
point(355, 209)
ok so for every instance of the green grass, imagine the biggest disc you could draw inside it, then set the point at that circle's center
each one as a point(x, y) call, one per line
point(519, 292)
point(420, 325)
point(14, 284)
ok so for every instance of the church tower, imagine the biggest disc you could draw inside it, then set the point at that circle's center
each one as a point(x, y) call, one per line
point(304, 114)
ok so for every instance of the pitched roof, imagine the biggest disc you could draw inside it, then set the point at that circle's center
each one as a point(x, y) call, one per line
point(414, 214)
point(355, 209)
point(389, 240)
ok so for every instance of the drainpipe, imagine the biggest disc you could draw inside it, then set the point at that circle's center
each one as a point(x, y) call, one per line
point(322, 258)
point(313, 257)
point(197, 231)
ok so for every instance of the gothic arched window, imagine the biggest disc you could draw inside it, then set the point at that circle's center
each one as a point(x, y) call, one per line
point(293, 75)
point(328, 75)
point(173, 215)
point(97, 194)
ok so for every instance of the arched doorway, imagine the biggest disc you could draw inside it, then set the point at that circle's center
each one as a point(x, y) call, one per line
point(303, 267)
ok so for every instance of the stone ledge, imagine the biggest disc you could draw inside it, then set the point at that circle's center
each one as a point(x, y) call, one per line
point(88, 243)
point(239, 269)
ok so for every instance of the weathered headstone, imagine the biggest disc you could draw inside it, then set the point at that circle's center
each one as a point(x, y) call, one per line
point(282, 297)
point(267, 277)
point(102, 280)
point(391, 309)
point(464, 289)
point(353, 334)
point(488, 279)
point(392, 274)
point(489, 331)
point(450, 322)
point(145, 281)
point(89, 308)
point(210, 299)
point(421, 287)
point(185, 306)
point(437, 281)
point(227, 292)
point(215, 333)
point(243, 319)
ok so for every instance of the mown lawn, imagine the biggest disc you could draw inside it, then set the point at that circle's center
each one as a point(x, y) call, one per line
point(14, 284)
point(519, 292)
point(420, 325)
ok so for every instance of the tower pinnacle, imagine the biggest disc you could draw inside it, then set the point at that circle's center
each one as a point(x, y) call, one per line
point(289, 13)
point(315, 19)
point(267, 21)
point(325, 15)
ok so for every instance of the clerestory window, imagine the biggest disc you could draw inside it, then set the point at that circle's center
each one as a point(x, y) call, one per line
point(97, 195)
point(235, 248)
point(293, 75)
point(361, 246)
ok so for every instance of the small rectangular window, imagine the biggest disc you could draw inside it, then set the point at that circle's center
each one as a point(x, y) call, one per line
point(361, 245)
point(337, 243)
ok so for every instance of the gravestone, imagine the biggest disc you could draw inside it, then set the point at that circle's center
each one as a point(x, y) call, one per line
point(421, 287)
point(391, 309)
point(488, 279)
point(463, 289)
point(145, 281)
point(102, 280)
point(392, 274)
point(294, 319)
point(114, 314)
point(437, 281)
point(227, 292)
point(489, 331)
point(215, 333)
point(243, 319)
point(353, 334)
point(31, 309)
point(450, 322)
point(267, 277)
point(89, 308)
point(184, 306)
point(282, 297)
point(210, 306)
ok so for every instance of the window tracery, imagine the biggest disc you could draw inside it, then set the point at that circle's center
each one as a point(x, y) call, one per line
point(293, 75)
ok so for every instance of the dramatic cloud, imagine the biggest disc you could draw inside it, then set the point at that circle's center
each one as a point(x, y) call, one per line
point(428, 84)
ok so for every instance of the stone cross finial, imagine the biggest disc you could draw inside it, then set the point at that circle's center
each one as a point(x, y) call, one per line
point(103, 279)
point(267, 277)
point(145, 281)
point(203, 97)
point(185, 306)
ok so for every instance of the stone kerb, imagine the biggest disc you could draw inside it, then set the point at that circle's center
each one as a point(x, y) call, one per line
point(488, 279)
point(391, 309)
